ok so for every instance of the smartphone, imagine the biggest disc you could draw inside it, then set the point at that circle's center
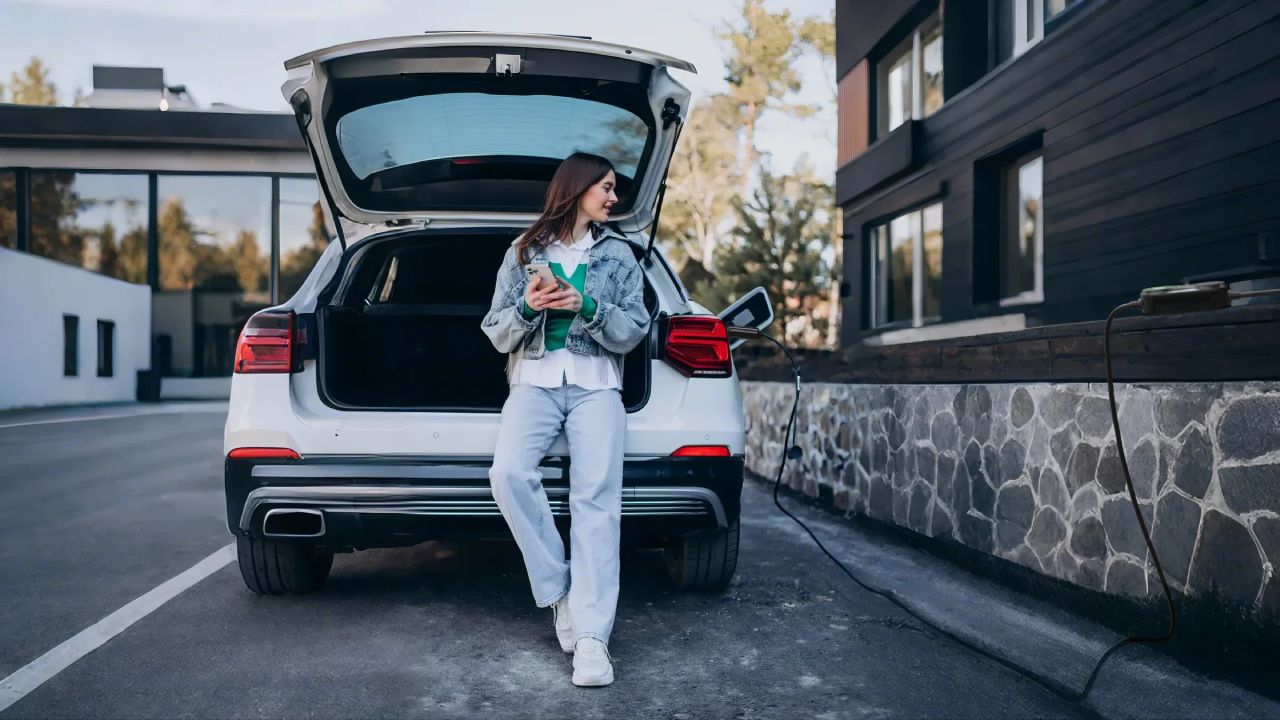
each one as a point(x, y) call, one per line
point(543, 273)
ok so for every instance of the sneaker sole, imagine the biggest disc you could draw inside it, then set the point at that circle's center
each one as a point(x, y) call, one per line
point(593, 682)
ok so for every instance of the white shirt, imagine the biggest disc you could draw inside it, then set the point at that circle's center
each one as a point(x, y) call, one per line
point(564, 367)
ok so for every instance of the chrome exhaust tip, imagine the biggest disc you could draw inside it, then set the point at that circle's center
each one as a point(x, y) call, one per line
point(293, 523)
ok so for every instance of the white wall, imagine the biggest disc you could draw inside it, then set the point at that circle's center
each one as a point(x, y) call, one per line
point(34, 295)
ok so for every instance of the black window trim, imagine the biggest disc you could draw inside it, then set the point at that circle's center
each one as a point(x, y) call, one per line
point(881, 220)
point(987, 212)
point(22, 182)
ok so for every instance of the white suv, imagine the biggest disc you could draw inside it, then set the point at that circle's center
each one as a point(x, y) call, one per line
point(364, 410)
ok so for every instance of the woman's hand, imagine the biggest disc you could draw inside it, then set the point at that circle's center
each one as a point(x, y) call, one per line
point(537, 297)
point(565, 298)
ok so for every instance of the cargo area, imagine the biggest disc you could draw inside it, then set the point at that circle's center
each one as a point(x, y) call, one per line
point(402, 332)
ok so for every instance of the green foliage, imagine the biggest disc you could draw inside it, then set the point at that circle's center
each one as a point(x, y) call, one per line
point(778, 244)
point(701, 182)
point(30, 87)
point(53, 200)
point(820, 34)
point(296, 264)
point(8, 208)
point(191, 258)
point(763, 49)
point(722, 245)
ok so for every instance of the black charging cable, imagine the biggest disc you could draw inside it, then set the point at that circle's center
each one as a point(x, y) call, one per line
point(1153, 301)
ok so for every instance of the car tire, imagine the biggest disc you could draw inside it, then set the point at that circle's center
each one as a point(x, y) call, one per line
point(703, 562)
point(282, 568)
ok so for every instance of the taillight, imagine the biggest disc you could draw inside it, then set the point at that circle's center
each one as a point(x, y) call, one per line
point(702, 451)
point(266, 344)
point(263, 453)
point(697, 346)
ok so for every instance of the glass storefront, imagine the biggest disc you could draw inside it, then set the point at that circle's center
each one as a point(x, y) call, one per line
point(303, 234)
point(97, 221)
point(8, 210)
point(213, 239)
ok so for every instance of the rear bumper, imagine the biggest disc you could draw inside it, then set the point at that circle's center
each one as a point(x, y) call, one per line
point(391, 502)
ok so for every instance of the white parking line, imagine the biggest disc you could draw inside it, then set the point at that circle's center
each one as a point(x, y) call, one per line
point(38, 671)
point(139, 413)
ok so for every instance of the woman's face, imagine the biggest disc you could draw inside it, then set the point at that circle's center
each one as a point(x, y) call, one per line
point(598, 199)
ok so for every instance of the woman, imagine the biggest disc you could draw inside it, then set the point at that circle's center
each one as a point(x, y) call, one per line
point(565, 345)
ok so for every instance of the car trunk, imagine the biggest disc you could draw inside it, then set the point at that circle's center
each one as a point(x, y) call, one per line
point(403, 332)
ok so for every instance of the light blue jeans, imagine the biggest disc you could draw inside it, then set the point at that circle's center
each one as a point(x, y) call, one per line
point(594, 422)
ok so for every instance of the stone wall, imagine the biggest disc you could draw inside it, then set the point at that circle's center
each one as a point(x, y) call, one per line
point(1030, 473)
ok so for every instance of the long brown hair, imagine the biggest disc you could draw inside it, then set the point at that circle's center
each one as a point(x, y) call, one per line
point(576, 174)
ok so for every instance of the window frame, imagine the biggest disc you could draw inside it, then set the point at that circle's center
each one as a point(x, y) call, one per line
point(23, 188)
point(1010, 196)
point(29, 229)
point(18, 213)
point(877, 292)
point(1032, 20)
point(106, 348)
point(70, 345)
point(912, 49)
point(1028, 28)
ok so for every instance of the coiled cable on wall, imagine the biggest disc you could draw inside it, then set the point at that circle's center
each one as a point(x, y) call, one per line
point(1153, 301)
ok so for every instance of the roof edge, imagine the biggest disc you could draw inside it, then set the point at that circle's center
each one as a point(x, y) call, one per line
point(533, 40)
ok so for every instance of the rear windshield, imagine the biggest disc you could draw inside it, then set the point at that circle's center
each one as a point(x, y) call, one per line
point(474, 150)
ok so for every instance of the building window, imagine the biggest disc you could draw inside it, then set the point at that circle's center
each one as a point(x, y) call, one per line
point(905, 262)
point(909, 78)
point(106, 348)
point(214, 265)
point(1026, 21)
point(303, 233)
point(1053, 7)
point(1022, 232)
point(70, 345)
point(9, 210)
point(1028, 24)
point(96, 221)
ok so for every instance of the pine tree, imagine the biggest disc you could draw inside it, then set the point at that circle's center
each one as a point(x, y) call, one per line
point(701, 184)
point(778, 244)
point(298, 262)
point(33, 86)
point(177, 246)
point(760, 69)
point(248, 262)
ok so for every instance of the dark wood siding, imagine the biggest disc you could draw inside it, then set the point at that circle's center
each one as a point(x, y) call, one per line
point(862, 24)
point(1158, 121)
point(853, 113)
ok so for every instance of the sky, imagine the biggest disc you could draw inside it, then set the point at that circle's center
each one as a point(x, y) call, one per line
point(232, 51)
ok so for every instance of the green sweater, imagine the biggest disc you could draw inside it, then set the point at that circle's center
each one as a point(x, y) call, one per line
point(558, 321)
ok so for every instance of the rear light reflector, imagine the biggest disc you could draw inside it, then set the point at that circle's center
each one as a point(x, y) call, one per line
point(266, 344)
point(263, 453)
point(702, 451)
point(697, 346)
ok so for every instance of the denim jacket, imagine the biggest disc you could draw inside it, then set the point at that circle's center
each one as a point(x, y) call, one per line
point(614, 279)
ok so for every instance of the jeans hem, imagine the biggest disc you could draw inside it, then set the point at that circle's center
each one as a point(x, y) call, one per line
point(591, 635)
point(554, 598)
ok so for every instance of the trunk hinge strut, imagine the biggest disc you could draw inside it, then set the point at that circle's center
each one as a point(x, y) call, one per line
point(670, 114)
point(301, 103)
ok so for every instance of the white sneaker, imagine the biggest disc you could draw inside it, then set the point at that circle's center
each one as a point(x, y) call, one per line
point(592, 666)
point(564, 625)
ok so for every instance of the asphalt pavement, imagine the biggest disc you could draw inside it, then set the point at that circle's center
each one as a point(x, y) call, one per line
point(99, 506)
